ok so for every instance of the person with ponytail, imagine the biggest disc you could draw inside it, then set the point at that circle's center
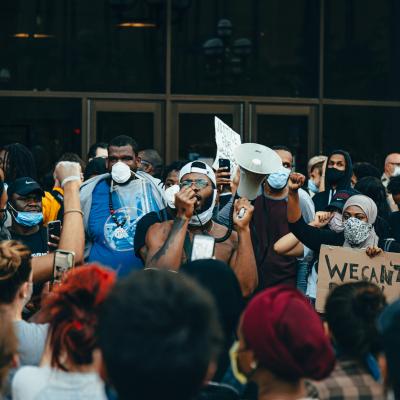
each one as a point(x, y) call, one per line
point(352, 310)
point(71, 363)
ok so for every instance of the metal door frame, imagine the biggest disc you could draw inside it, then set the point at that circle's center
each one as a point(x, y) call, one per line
point(177, 108)
point(94, 106)
point(308, 111)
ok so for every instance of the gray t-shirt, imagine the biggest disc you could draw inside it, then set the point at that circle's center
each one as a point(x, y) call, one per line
point(45, 383)
point(31, 341)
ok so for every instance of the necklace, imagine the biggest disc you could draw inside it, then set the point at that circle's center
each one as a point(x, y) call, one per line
point(207, 231)
point(112, 212)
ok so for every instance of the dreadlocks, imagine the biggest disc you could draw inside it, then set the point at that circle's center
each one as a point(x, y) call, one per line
point(18, 162)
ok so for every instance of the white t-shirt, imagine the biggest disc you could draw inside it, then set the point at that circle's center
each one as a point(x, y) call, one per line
point(45, 383)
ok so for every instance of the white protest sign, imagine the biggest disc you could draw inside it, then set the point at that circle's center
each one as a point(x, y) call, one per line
point(227, 140)
point(338, 265)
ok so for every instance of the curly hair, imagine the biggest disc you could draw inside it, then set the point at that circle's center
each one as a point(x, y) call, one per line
point(15, 268)
point(18, 162)
point(352, 310)
point(72, 311)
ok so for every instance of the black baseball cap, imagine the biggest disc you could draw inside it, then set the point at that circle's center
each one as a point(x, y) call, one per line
point(24, 186)
point(339, 199)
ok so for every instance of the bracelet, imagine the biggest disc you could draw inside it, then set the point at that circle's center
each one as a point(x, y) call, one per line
point(74, 210)
point(70, 179)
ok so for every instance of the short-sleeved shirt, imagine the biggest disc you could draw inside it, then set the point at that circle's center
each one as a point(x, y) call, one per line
point(31, 341)
point(37, 242)
point(35, 383)
point(112, 245)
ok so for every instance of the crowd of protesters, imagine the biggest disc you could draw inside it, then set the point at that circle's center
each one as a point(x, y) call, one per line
point(138, 317)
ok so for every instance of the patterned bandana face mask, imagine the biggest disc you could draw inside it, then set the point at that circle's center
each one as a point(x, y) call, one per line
point(356, 231)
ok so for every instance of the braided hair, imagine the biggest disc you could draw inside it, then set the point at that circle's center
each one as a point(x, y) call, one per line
point(18, 162)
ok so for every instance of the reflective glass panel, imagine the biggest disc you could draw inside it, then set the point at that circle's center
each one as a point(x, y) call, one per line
point(48, 127)
point(362, 49)
point(368, 133)
point(90, 45)
point(197, 135)
point(138, 125)
point(286, 130)
point(250, 47)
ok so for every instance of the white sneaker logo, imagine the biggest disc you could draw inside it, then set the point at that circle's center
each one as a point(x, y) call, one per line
point(28, 183)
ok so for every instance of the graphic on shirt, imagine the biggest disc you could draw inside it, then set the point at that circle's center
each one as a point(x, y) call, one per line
point(120, 238)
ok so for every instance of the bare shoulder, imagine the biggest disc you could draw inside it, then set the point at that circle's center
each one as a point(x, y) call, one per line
point(220, 230)
point(158, 231)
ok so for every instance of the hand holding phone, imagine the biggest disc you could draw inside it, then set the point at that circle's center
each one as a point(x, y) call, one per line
point(63, 262)
point(53, 234)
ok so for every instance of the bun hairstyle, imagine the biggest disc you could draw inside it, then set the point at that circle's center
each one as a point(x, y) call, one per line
point(351, 312)
point(72, 312)
point(15, 268)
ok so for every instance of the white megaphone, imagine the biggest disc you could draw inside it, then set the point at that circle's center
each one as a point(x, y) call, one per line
point(255, 162)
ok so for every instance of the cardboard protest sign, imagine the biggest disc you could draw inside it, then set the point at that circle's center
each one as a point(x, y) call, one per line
point(227, 140)
point(338, 265)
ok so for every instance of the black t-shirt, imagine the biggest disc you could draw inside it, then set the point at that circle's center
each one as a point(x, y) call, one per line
point(145, 223)
point(394, 221)
point(37, 242)
point(224, 199)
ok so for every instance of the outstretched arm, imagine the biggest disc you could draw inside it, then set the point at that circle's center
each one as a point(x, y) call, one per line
point(72, 236)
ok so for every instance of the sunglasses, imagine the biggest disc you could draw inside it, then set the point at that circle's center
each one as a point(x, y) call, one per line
point(199, 183)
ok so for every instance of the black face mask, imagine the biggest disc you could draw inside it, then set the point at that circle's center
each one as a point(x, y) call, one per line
point(333, 175)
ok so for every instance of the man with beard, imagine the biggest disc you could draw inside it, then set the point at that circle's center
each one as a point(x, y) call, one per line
point(167, 242)
point(339, 170)
point(113, 203)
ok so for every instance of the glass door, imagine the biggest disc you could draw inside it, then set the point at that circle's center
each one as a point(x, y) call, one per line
point(193, 135)
point(142, 121)
point(290, 126)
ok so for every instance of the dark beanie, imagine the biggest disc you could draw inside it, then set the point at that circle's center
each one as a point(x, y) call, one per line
point(287, 335)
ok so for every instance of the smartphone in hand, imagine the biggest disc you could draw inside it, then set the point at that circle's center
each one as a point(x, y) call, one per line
point(225, 163)
point(63, 262)
point(53, 228)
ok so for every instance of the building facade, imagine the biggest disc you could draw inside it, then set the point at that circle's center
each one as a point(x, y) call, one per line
point(310, 74)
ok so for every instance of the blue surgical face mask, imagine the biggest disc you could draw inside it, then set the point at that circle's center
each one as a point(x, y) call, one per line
point(278, 180)
point(312, 187)
point(24, 218)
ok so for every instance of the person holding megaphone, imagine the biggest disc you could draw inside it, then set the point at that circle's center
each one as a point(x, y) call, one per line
point(171, 243)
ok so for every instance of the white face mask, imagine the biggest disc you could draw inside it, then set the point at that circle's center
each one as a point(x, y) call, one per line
point(205, 216)
point(396, 171)
point(120, 172)
point(169, 195)
point(336, 223)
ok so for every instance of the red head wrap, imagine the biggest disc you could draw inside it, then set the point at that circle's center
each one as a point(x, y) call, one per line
point(287, 335)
